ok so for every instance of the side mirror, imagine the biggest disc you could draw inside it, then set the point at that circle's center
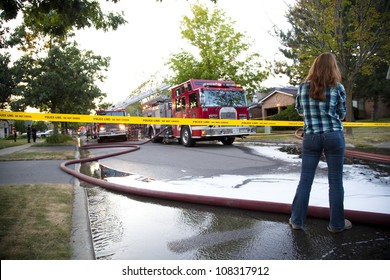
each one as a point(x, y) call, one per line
point(202, 99)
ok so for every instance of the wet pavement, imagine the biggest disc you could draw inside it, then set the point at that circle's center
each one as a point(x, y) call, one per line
point(138, 228)
point(130, 227)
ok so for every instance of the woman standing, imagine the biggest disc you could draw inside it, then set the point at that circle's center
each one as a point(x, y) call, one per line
point(321, 101)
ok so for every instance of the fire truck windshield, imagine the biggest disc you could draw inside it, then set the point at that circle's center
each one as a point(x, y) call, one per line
point(111, 113)
point(216, 98)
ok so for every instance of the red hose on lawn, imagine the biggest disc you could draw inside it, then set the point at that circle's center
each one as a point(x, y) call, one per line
point(355, 154)
point(265, 206)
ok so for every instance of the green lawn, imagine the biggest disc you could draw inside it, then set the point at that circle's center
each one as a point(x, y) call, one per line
point(36, 222)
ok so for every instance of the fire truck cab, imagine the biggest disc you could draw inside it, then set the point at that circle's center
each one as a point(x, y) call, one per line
point(111, 131)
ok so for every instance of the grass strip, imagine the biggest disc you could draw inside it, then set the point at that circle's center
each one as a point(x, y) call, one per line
point(41, 155)
point(35, 222)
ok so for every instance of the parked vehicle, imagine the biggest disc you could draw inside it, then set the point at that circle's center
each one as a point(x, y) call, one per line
point(48, 133)
point(39, 134)
point(110, 131)
point(203, 99)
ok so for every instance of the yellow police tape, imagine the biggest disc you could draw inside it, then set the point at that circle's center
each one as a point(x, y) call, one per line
point(161, 121)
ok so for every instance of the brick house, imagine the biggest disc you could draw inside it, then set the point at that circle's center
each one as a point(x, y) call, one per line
point(266, 105)
point(368, 109)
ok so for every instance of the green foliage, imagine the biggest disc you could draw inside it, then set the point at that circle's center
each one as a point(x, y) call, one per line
point(375, 84)
point(289, 114)
point(374, 87)
point(58, 138)
point(223, 52)
point(7, 83)
point(356, 31)
point(134, 109)
point(47, 25)
point(57, 17)
point(20, 126)
point(61, 82)
point(40, 126)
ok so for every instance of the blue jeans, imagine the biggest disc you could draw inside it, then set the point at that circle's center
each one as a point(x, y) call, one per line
point(333, 146)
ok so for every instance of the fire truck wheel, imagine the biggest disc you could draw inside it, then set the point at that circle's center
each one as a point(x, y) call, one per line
point(228, 140)
point(186, 137)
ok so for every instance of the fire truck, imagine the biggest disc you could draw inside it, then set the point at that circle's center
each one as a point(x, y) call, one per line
point(203, 99)
point(111, 131)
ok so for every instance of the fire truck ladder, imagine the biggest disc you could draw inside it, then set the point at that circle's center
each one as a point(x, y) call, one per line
point(139, 97)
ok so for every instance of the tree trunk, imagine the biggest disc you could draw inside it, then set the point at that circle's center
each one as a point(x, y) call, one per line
point(374, 111)
point(348, 85)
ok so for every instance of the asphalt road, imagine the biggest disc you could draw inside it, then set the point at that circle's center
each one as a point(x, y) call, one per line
point(173, 161)
point(123, 224)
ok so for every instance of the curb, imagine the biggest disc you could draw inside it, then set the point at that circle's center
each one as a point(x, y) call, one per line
point(81, 236)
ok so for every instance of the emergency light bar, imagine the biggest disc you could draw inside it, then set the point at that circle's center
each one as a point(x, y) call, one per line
point(220, 85)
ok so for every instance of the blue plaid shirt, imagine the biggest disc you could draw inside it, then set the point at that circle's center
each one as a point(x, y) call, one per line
point(321, 116)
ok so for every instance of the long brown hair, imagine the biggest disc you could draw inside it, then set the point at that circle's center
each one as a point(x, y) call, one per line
point(322, 74)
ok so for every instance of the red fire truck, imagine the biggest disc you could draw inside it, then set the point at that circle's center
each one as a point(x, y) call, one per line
point(111, 131)
point(203, 99)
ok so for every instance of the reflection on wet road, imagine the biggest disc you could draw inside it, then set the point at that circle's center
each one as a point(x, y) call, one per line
point(130, 227)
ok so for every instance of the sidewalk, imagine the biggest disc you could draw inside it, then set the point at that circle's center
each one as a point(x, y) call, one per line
point(15, 149)
point(33, 171)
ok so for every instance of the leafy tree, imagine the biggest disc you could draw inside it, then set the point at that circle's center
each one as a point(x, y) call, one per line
point(40, 126)
point(134, 109)
point(374, 87)
point(58, 17)
point(46, 23)
point(61, 82)
point(356, 31)
point(7, 83)
point(20, 126)
point(222, 51)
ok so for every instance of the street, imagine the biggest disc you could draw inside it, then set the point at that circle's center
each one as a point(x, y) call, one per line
point(131, 227)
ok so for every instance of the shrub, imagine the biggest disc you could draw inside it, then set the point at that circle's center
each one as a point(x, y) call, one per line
point(289, 114)
point(58, 138)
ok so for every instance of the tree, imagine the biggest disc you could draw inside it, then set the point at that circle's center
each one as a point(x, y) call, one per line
point(356, 31)
point(7, 83)
point(58, 17)
point(222, 51)
point(374, 87)
point(45, 24)
point(61, 82)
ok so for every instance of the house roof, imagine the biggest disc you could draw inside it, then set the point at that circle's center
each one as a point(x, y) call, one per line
point(290, 91)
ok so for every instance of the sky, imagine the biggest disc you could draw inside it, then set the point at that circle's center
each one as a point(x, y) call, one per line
point(141, 48)
point(364, 189)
